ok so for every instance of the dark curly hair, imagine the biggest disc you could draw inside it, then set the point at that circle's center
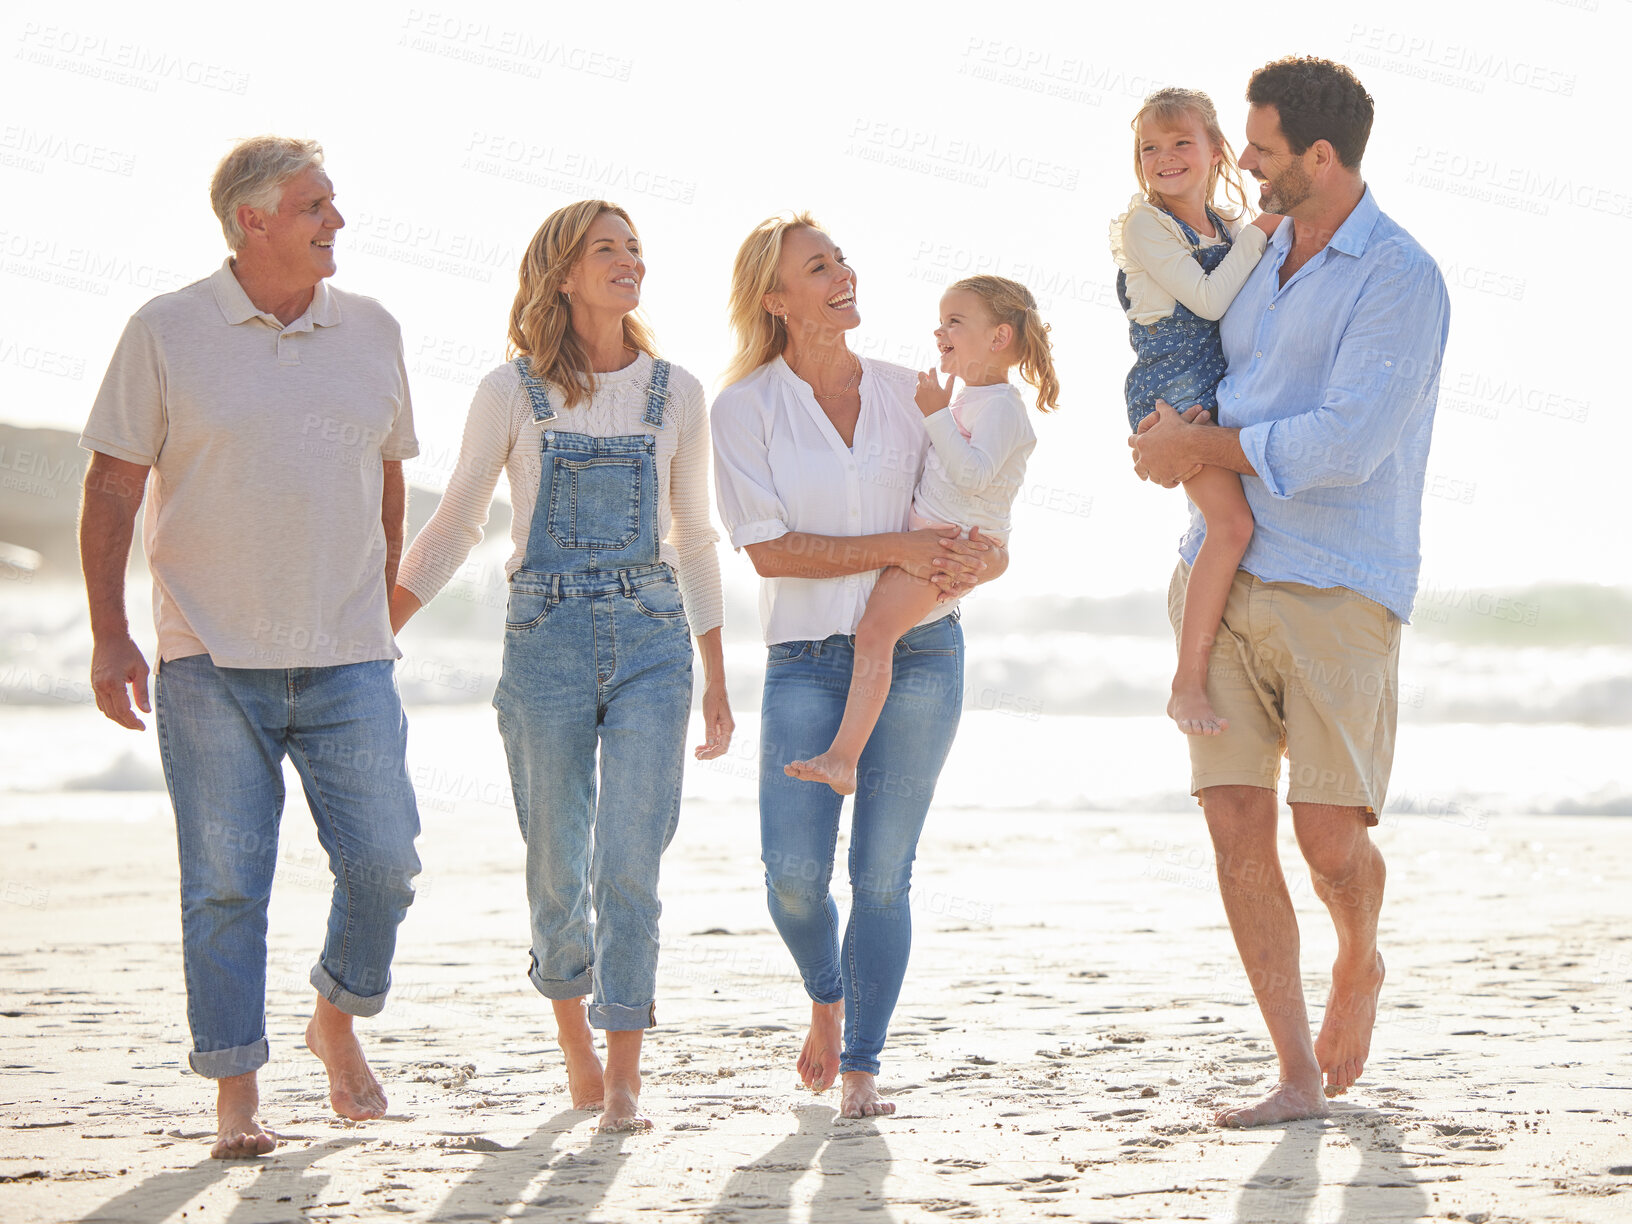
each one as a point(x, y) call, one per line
point(1317, 100)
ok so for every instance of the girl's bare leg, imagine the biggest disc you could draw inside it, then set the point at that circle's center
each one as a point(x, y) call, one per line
point(898, 602)
point(1218, 495)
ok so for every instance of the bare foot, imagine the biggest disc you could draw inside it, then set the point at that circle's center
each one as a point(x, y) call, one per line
point(1286, 1103)
point(353, 1091)
point(622, 1112)
point(819, 1060)
point(860, 1098)
point(837, 771)
point(585, 1081)
point(1194, 713)
point(1345, 1029)
point(239, 1133)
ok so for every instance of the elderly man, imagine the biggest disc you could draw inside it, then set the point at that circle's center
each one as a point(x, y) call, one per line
point(1334, 347)
point(269, 415)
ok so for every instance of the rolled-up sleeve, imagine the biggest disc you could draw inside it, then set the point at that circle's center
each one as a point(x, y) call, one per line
point(749, 506)
point(1386, 368)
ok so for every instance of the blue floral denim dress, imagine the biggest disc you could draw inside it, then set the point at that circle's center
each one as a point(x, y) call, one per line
point(1180, 358)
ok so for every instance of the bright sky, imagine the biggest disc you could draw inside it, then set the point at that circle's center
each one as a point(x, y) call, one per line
point(933, 141)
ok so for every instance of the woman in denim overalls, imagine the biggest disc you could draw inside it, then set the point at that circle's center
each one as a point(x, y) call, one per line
point(597, 649)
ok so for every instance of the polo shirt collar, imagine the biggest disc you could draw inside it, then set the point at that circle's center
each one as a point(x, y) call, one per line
point(236, 307)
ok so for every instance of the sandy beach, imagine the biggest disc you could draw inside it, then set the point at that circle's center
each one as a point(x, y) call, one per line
point(1073, 1010)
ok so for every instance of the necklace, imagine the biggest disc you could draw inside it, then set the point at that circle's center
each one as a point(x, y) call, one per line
point(847, 386)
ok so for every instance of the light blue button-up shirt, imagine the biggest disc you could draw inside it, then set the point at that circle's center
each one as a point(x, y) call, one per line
point(1332, 380)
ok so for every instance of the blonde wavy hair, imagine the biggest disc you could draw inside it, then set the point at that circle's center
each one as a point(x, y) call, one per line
point(761, 336)
point(1170, 107)
point(541, 317)
point(1010, 302)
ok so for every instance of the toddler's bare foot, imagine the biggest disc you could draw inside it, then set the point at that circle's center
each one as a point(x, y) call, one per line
point(239, 1132)
point(819, 1060)
point(860, 1097)
point(837, 771)
point(1194, 713)
point(353, 1091)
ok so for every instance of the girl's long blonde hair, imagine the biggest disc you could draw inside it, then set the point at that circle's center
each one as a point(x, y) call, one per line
point(541, 316)
point(761, 336)
point(1169, 107)
point(1010, 302)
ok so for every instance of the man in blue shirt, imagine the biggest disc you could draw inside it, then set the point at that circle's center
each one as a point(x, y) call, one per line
point(1334, 347)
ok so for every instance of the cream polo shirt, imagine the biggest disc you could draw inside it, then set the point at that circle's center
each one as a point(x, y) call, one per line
point(265, 442)
point(780, 466)
point(500, 433)
point(1149, 246)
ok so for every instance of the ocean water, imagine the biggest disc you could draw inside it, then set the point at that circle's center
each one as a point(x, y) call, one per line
point(1522, 704)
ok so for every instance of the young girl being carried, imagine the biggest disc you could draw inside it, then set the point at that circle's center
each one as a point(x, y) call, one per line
point(1181, 263)
point(980, 441)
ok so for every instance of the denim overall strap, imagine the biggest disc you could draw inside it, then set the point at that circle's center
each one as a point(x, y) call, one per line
point(539, 397)
point(595, 517)
point(1178, 358)
point(657, 393)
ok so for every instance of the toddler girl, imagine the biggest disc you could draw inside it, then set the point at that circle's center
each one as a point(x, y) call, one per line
point(980, 441)
point(1181, 263)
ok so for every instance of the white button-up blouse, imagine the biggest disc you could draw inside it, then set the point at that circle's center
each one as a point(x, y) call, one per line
point(780, 466)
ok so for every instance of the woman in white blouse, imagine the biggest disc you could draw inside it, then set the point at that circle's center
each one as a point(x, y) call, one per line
point(817, 453)
point(606, 449)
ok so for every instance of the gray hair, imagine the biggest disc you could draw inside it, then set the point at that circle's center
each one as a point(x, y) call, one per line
point(254, 174)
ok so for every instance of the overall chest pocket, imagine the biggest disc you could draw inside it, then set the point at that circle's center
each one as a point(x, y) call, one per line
point(595, 502)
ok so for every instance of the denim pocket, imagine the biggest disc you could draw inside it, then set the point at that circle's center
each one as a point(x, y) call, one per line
point(660, 600)
point(526, 610)
point(595, 503)
point(786, 652)
point(936, 639)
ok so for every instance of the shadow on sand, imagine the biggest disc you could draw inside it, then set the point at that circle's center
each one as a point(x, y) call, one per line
point(574, 1181)
point(287, 1174)
point(851, 1156)
point(1286, 1188)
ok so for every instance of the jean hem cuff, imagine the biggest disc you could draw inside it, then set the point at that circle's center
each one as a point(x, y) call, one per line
point(869, 1065)
point(618, 1018)
point(223, 1064)
point(327, 985)
point(555, 988)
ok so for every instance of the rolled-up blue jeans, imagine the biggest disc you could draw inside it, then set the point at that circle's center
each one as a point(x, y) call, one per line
point(593, 675)
point(223, 733)
point(806, 684)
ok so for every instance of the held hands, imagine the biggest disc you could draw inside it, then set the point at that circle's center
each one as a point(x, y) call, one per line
point(114, 667)
point(965, 565)
point(717, 721)
point(931, 397)
point(1158, 447)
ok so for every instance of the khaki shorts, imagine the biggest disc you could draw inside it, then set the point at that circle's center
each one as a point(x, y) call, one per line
point(1311, 673)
